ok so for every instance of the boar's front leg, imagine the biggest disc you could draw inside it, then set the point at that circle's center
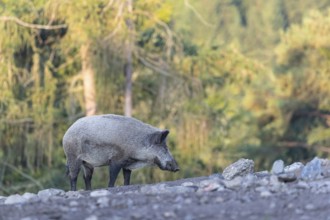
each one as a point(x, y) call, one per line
point(113, 171)
point(127, 176)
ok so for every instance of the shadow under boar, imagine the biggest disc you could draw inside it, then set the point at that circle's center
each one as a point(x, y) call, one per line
point(117, 141)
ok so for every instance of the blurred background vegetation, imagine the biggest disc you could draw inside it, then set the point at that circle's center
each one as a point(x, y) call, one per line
point(229, 78)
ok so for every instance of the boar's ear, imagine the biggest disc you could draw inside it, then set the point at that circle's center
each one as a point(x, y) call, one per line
point(159, 136)
point(163, 135)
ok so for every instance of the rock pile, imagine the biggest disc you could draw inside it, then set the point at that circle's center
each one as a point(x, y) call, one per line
point(313, 170)
point(239, 176)
point(42, 195)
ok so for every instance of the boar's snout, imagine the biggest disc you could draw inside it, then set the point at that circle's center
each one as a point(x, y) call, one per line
point(172, 166)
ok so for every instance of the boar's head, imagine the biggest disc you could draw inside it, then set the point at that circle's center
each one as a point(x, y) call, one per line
point(160, 153)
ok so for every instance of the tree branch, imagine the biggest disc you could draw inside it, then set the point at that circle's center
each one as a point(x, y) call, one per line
point(17, 121)
point(36, 182)
point(33, 26)
point(153, 67)
point(199, 16)
point(169, 32)
point(316, 113)
point(117, 22)
point(292, 144)
point(108, 6)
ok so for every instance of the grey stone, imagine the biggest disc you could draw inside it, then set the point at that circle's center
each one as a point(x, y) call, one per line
point(249, 181)
point(119, 204)
point(162, 188)
point(98, 193)
point(91, 217)
point(310, 207)
point(261, 188)
point(263, 182)
point(159, 188)
point(278, 167)
point(116, 217)
point(287, 177)
point(221, 188)
point(295, 168)
point(233, 183)
point(302, 185)
point(169, 214)
point(29, 218)
point(15, 199)
point(2, 199)
point(186, 184)
point(179, 199)
point(265, 193)
point(261, 174)
point(189, 217)
point(272, 205)
point(290, 206)
point(312, 170)
point(208, 182)
point(204, 200)
point(103, 202)
point(180, 189)
point(73, 203)
point(219, 200)
point(155, 207)
point(274, 184)
point(47, 193)
point(29, 196)
point(137, 215)
point(210, 185)
point(325, 164)
point(320, 186)
point(288, 190)
point(73, 194)
point(273, 180)
point(216, 176)
point(188, 201)
point(241, 167)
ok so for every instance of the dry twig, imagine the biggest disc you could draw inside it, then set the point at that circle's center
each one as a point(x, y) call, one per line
point(33, 26)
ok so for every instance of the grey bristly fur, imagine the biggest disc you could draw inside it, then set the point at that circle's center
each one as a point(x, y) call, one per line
point(117, 141)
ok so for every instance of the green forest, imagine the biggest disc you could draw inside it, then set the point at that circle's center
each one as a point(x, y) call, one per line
point(228, 78)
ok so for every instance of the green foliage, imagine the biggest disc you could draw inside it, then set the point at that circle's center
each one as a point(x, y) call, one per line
point(303, 62)
point(230, 79)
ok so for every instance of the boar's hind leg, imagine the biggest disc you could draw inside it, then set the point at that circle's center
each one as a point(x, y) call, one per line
point(114, 171)
point(127, 176)
point(74, 169)
point(88, 173)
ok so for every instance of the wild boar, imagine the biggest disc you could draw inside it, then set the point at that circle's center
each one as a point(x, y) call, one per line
point(116, 141)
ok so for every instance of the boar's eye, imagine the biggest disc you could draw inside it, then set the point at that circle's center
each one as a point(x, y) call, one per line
point(163, 148)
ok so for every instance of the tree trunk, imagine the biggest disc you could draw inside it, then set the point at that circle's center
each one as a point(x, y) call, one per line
point(161, 95)
point(129, 66)
point(89, 85)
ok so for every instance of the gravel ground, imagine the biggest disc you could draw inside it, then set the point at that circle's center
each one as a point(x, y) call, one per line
point(183, 199)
